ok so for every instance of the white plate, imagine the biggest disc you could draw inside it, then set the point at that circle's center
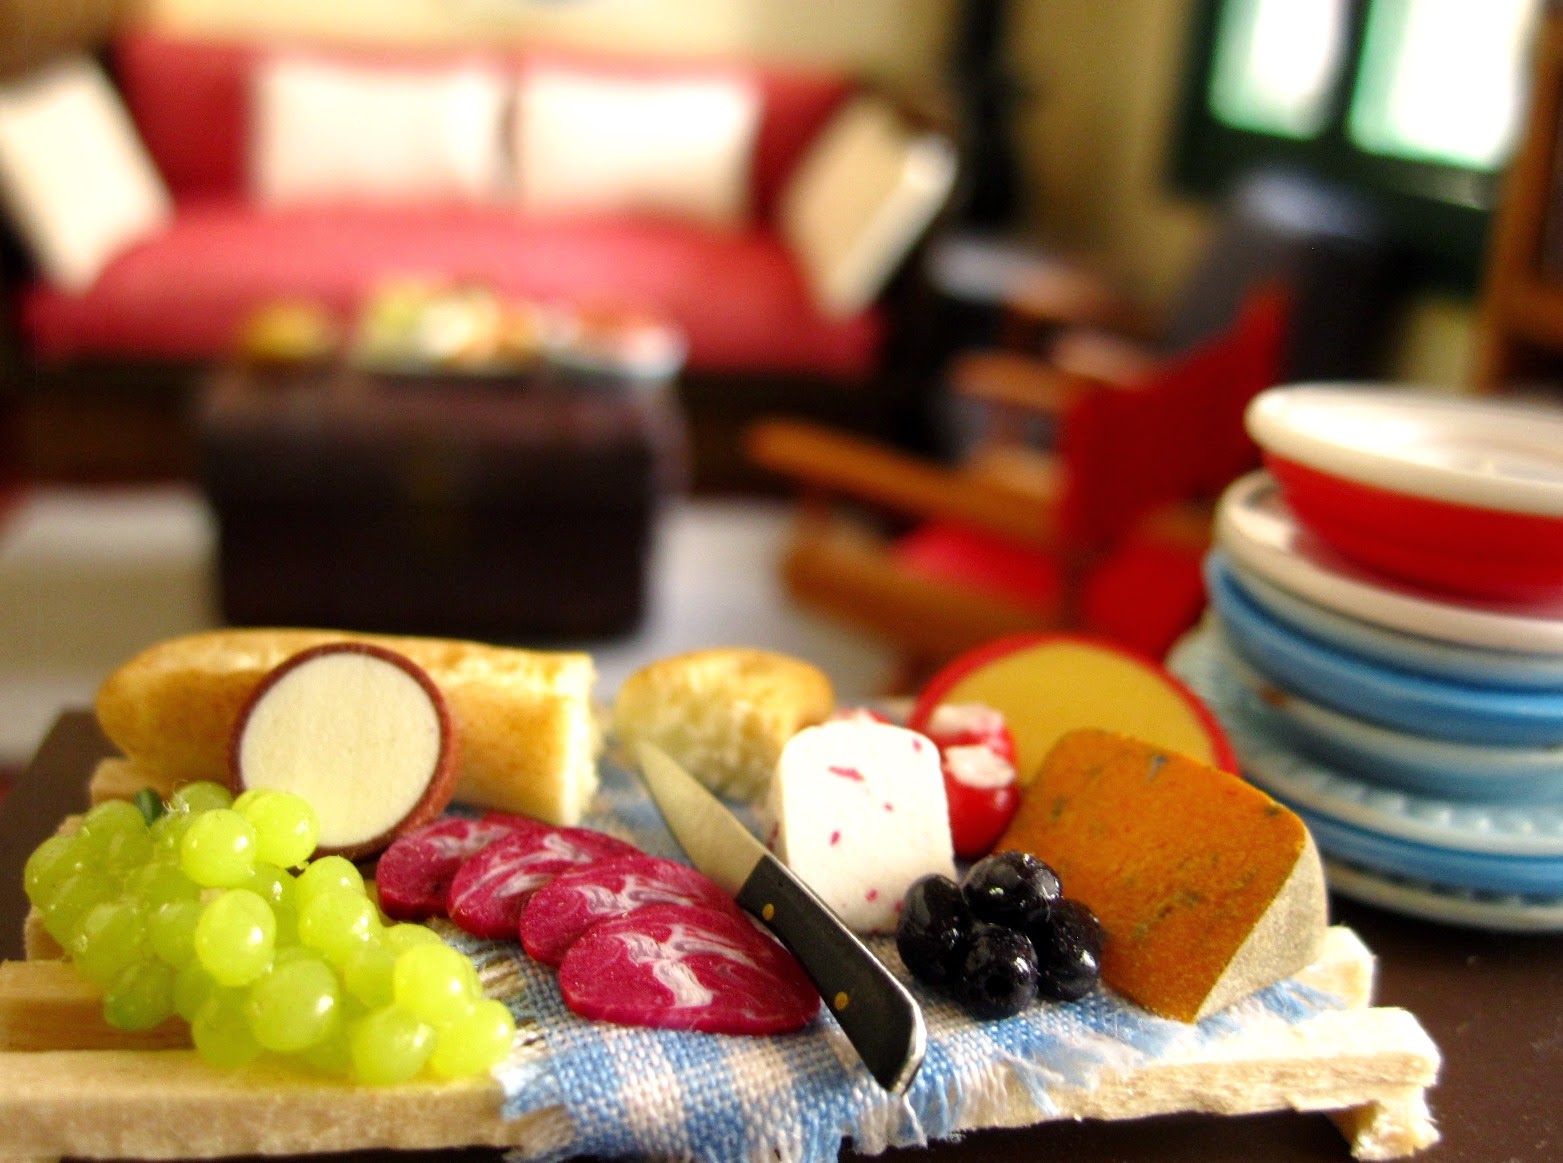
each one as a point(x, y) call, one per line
point(1507, 913)
point(1492, 454)
point(1258, 531)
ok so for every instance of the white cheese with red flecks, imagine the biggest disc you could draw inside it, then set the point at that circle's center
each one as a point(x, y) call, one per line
point(859, 814)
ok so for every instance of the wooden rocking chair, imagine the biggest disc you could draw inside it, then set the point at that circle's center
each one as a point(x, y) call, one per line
point(1102, 532)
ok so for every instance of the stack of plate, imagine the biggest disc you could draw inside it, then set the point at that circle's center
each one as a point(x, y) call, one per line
point(1384, 644)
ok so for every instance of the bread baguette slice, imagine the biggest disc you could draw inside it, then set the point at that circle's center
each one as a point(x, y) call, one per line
point(48, 1005)
point(529, 738)
point(168, 1104)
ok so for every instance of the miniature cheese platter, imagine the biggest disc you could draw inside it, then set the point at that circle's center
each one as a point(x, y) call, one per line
point(672, 1025)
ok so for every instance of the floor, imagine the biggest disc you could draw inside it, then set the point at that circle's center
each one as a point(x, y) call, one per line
point(90, 576)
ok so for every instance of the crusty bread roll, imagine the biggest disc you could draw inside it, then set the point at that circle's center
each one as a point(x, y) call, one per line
point(529, 739)
point(724, 713)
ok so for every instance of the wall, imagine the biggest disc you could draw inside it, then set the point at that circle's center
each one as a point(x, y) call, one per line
point(900, 40)
point(31, 31)
point(1107, 79)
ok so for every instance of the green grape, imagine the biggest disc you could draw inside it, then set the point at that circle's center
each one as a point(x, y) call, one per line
point(192, 986)
point(171, 929)
point(287, 928)
point(111, 936)
point(433, 983)
point(236, 937)
point(276, 887)
point(294, 1006)
point(330, 1056)
point(128, 850)
point(115, 835)
point(367, 973)
point(272, 884)
point(157, 882)
point(249, 797)
point(287, 954)
point(286, 825)
point(51, 862)
point(402, 937)
point(337, 922)
point(168, 833)
point(142, 996)
point(474, 982)
point(389, 1045)
point(477, 1041)
point(202, 796)
point(221, 1031)
point(73, 898)
point(218, 849)
point(109, 818)
point(327, 872)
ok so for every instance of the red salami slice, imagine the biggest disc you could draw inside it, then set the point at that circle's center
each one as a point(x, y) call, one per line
point(492, 887)
point(415, 872)
point(686, 967)
point(573, 902)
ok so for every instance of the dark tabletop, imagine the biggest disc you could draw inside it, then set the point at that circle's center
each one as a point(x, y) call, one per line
point(1492, 1002)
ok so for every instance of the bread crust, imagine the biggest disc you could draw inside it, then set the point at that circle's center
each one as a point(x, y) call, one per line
point(529, 742)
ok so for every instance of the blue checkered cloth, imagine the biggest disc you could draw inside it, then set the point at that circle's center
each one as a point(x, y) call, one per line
point(634, 1093)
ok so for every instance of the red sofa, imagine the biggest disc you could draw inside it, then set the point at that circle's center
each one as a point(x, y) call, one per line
point(757, 342)
point(184, 293)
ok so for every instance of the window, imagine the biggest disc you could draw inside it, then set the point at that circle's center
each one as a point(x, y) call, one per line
point(1419, 103)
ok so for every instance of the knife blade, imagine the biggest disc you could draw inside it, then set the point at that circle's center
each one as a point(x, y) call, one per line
point(879, 1016)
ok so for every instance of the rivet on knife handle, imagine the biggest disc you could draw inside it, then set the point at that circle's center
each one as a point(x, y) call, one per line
point(880, 1018)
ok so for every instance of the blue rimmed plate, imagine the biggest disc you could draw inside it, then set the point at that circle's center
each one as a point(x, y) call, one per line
point(1398, 699)
point(1506, 912)
point(1432, 767)
point(1425, 656)
point(1465, 846)
point(1450, 867)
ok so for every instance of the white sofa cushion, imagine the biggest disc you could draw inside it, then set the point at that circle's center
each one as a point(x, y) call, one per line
point(860, 198)
point(334, 131)
point(598, 142)
point(74, 173)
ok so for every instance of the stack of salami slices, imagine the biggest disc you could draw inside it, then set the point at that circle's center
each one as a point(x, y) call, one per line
point(1384, 643)
point(636, 939)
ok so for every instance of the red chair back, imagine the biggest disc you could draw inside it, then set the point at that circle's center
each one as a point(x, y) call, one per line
point(1176, 436)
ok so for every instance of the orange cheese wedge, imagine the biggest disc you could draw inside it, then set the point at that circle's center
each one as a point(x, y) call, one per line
point(1207, 889)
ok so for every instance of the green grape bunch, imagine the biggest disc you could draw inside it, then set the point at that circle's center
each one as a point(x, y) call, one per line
point(212, 909)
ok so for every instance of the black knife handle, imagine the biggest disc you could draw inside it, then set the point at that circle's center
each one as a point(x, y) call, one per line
point(879, 1017)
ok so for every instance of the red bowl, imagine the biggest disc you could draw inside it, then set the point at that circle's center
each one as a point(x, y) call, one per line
point(1460, 550)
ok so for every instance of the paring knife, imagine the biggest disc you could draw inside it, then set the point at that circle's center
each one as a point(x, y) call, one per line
point(879, 1017)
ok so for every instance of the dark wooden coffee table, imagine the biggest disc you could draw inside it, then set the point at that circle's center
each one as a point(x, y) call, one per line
point(1492, 1002)
point(506, 507)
